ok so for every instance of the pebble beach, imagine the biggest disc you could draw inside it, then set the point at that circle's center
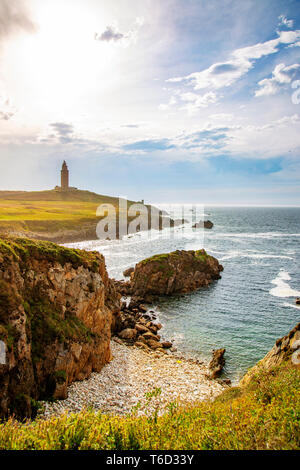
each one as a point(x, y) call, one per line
point(132, 373)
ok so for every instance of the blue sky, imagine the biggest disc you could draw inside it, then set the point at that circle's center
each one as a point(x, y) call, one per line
point(173, 101)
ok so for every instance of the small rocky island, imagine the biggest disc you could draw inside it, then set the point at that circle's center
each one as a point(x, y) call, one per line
point(179, 272)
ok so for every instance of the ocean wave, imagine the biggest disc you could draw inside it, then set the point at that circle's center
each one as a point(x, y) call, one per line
point(242, 254)
point(286, 304)
point(282, 288)
point(264, 235)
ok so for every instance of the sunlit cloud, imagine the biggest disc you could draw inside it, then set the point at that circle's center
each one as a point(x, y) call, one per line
point(7, 109)
point(282, 75)
point(283, 21)
point(92, 89)
point(113, 34)
point(14, 17)
point(225, 74)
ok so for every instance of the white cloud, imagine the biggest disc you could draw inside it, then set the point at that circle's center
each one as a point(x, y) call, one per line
point(195, 101)
point(283, 21)
point(225, 74)
point(113, 34)
point(14, 17)
point(165, 107)
point(192, 101)
point(7, 110)
point(281, 75)
point(221, 117)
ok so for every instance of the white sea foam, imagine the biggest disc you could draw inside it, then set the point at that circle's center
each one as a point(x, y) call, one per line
point(282, 288)
point(243, 254)
point(265, 235)
point(286, 304)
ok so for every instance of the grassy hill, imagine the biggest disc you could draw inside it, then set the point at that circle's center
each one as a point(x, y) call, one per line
point(50, 211)
point(263, 415)
point(53, 195)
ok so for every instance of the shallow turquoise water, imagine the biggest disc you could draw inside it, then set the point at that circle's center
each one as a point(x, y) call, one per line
point(254, 302)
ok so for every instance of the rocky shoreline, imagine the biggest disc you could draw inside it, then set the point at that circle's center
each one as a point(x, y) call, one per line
point(59, 311)
point(122, 385)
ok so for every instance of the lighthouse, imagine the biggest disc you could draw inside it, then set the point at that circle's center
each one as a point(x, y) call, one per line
point(64, 177)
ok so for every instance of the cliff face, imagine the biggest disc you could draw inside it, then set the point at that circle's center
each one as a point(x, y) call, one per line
point(286, 350)
point(57, 307)
point(178, 272)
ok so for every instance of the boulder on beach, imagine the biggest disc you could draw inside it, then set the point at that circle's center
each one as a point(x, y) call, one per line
point(173, 273)
point(128, 334)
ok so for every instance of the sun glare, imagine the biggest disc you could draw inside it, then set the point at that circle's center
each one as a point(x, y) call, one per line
point(62, 59)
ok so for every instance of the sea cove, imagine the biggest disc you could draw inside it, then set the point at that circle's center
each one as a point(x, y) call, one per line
point(240, 312)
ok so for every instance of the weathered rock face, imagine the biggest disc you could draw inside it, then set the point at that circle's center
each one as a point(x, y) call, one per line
point(57, 307)
point(178, 272)
point(285, 350)
point(217, 363)
point(128, 272)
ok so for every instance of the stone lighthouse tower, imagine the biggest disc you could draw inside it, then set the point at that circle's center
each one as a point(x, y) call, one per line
point(64, 177)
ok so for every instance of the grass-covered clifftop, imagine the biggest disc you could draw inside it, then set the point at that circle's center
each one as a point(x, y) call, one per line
point(50, 211)
point(22, 249)
point(263, 415)
point(55, 215)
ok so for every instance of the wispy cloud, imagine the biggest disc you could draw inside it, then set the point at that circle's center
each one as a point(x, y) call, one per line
point(150, 145)
point(113, 34)
point(7, 109)
point(283, 21)
point(64, 132)
point(282, 75)
point(14, 17)
point(110, 34)
point(225, 74)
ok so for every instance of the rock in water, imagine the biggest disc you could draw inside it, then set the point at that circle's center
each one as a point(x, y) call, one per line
point(298, 301)
point(171, 273)
point(206, 224)
point(217, 363)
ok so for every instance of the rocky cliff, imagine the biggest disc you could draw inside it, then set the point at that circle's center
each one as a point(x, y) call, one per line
point(57, 308)
point(286, 350)
point(177, 272)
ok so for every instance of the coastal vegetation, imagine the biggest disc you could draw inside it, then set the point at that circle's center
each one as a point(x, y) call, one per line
point(50, 211)
point(263, 415)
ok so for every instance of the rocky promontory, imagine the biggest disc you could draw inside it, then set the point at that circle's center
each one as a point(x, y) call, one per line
point(178, 272)
point(57, 309)
point(285, 351)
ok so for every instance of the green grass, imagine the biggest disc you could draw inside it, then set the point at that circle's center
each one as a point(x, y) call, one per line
point(21, 249)
point(50, 211)
point(44, 216)
point(264, 415)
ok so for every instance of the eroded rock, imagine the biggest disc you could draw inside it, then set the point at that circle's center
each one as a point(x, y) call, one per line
point(286, 350)
point(171, 273)
point(217, 363)
point(57, 309)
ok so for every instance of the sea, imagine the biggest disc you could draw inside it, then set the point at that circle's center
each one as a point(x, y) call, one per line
point(254, 302)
